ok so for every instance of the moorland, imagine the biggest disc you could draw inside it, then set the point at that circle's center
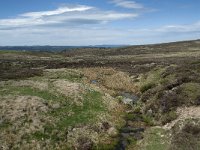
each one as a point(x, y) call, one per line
point(142, 97)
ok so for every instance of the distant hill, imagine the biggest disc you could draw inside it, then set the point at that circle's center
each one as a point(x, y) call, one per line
point(54, 48)
point(164, 48)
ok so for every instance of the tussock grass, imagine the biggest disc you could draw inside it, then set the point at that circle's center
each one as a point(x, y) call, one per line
point(110, 79)
point(186, 135)
point(151, 79)
point(155, 139)
point(83, 111)
point(191, 92)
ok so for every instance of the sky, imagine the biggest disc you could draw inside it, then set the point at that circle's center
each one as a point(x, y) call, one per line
point(97, 22)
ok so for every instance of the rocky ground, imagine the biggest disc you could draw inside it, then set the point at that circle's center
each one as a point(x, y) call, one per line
point(142, 97)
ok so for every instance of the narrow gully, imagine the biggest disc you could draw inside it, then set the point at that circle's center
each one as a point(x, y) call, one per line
point(134, 127)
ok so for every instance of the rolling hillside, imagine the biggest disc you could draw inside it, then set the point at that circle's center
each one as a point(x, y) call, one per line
point(135, 98)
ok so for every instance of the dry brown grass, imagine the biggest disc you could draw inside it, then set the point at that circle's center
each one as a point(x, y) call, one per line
point(185, 113)
point(97, 72)
point(68, 88)
point(22, 115)
point(119, 81)
point(110, 80)
point(41, 85)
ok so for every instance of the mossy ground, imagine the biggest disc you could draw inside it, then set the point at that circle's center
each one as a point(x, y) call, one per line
point(81, 110)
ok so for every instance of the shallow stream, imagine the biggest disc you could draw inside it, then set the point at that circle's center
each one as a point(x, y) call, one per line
point(134, 127)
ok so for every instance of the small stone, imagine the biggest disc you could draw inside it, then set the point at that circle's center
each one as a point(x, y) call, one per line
point(56, 106)
point(129, 98)
point(127, 101)
point(112, 131)
point(149, 112)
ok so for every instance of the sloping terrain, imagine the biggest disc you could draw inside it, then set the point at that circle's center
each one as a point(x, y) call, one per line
point(57, 111)
point(137, 97)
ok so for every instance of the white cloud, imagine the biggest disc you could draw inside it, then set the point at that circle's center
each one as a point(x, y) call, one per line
point(127, 4)
point(180, 28)
point(77, 15)
point(85, 25)
point(58, 11)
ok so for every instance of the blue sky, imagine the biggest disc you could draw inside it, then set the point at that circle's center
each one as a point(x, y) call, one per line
point(95, 22)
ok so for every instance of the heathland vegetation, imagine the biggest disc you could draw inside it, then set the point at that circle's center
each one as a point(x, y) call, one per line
point(137, 97)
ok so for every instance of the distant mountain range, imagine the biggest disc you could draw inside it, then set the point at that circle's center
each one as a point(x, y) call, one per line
point(54, 48)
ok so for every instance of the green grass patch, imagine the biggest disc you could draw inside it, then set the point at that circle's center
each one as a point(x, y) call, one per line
point(85, 114)
point(28, 91)
point(92, 106)
point(71, 112)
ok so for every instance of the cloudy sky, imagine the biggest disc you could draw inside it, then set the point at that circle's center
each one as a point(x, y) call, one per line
point(96, 22)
